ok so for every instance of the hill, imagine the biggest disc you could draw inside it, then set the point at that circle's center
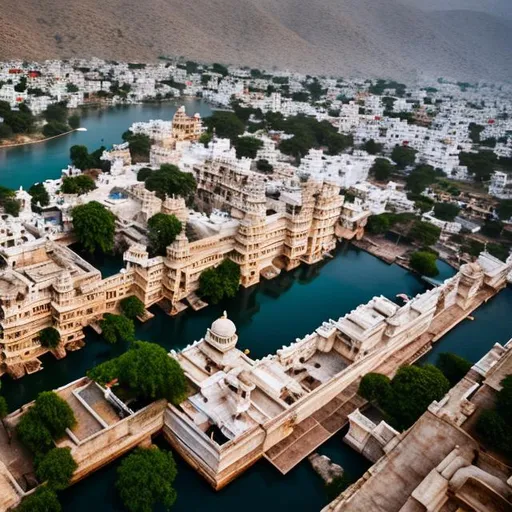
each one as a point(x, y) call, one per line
point(382, 38)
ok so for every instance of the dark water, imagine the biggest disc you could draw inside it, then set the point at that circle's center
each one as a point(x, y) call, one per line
point(267, 316)
point(25, 165)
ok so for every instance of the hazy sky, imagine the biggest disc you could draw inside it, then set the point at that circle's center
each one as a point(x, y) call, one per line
point(496, 7)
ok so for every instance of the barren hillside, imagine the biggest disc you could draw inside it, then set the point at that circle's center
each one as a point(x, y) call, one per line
point(347, 37)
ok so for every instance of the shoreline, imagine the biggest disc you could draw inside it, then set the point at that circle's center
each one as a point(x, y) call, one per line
point(18, 144)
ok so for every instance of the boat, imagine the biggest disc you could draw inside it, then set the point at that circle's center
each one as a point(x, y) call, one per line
point(403, 296)
point(81, 129)
point(469, 317)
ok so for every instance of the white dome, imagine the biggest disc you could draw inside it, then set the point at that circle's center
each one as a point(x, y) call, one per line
point(223, 327)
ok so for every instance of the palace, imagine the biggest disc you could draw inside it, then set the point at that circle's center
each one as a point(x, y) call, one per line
point(44, 283)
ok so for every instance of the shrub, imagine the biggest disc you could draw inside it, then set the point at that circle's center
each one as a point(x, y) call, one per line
point(42, 500)
point(117, 327)
point(424, 263)
point(33, 433)
point(56, 468)
point(220, 282)
point(54, 412)
point(454, 367)
point(132, 307)
point(49, 337)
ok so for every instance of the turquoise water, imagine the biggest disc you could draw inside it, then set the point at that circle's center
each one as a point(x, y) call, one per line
point(25, 165)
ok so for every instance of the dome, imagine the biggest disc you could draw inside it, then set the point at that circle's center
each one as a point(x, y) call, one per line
point(223, 327)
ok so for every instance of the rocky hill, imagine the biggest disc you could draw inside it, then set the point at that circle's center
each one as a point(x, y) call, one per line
point(382, 38)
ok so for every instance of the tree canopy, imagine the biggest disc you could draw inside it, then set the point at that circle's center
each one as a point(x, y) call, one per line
point(94, 227)
point(139, 145)
point(146, 370)
point(169, 180)
point(42, 500)
point(116, 328)
point(372, 147)
point(424, 263)
point(145, 479)
point(33, 433)
point(132, 307)
point(39, 194)
point(220, 282)
point(446, 211)
point(49, 337)
point(504, 209)
point(80, 184)
point(56, 468)
point(420, 178)
point(247, 147)
point(403, 156)
point(225, 124)
point(454, 367)
point(162, 231)
point(143, 173)
point(424, 233)
point(381, 169)
point(9, 202)
point(54, 412)
point(408, 394)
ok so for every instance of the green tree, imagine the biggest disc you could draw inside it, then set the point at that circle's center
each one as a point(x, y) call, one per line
point(374, 387)
point(71, 87)
point(504, 399)
point(379, 224)
point(132, 307)
point(33, 433)
point(492, 228)
point(381, 169)
point(446, 211)
point(220, 282)
point(495, 431)
point(143, 173)
point(403, 156)
point(424, 263)
point(225, 124)
point(49, 337)
point(39, 194)
point(80, 184)
point(162, 231)
point(79, 156)
point(169, 180)
point(454, 367)
point(413, 389)
point(420, 178)
point(145, 479)
point(372, 147)
point(219, 68)
point(117, 327)
point(247, 147)
point(94, 227)
point(12, 207)
point(42, 500)
point(205, 139)
point(147, 371)
point(140, 146)
point(425, 233)
point(56, 468)
point(4, 409)
point(264, 166)
point(504, 209)
point(54, 412)
point(56, 112)
point(5, 131)
point(74, 121)
point(54, 128)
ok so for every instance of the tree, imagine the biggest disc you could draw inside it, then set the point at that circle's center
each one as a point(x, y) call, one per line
point(492, 228)
point(42, 500)
point(39, 195)
point(424, 263)
point(374, 387)
point(140, 146)
point(413, 389)
point(56, 112)
point(225, 124)
point(117, 327)
point(145, 479)
point(54, 412)
point(94, 227)
point(147, 371)
point(381, 169)
point(446, 211)
point(454, 367)
point(247, 147)
point(372, 147)
point(220, 282)
point(80, 184)
point(49, 337)
point(219, 68)
point(379, 224)
point(79, 156)
point(162, 231)
point(143, 173)
point(264, 166)
point(169, 180)
point(420, 178)
point(425, 233)
point(74, 121)
point(403, 156)
point(4, 409)
point(494, 430)
point(504, 209)
point(71, 87)
point(205, 139)
point(54, 128)
point(33, 433)
point(504, 399)
point(56, 468)
point(132, 307)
